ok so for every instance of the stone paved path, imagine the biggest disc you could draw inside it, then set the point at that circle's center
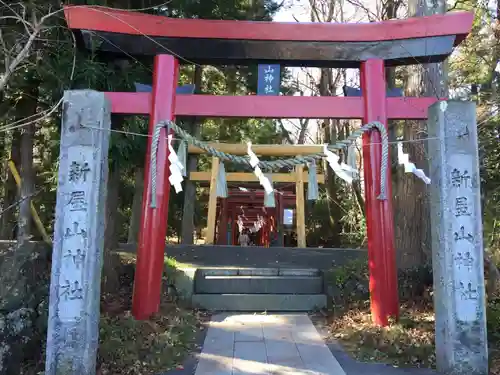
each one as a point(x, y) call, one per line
point(238, 344)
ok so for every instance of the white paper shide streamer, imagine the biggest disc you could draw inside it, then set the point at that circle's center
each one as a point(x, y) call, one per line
point(221, 182)
point(312, 183)
point(352, 160)
point(269, 198)
point(176, 167)
point(342, 170)
point(254, 162)
point(182, 156)
point(404, 159)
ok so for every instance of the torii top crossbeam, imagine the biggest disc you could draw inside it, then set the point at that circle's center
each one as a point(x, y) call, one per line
point(398, 42)
point(370, 47)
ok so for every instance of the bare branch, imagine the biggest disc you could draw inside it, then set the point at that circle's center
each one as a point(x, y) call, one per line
point(371, 15)
point(5, 51)
point(303, 131)
point(15, 204)
point(33, 30)
point(18, 59)
point(285, 132)
point(331, 9)
point(314, 11)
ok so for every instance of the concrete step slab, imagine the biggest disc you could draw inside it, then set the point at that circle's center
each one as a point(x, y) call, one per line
point(259, 302)
point(258, 271)
point(259, 285)
point(223, 271)
point(299, 272)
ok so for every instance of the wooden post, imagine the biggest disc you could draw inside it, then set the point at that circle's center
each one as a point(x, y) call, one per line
point(73, 324)
point(212, 203)
point(300, 206)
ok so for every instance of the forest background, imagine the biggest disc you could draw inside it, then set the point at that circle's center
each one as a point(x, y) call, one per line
point(41, 61)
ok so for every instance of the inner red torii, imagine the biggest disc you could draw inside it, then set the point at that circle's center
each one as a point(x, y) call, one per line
point(249, 206)
point(370, 47)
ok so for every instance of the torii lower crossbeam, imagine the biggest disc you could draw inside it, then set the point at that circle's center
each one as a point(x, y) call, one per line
point(253, 106)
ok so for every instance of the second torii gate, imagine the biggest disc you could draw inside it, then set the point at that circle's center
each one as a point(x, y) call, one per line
point(298, 177)
point(371, 47)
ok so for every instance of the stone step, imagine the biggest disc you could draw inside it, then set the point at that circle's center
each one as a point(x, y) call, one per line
point(259, 302)
point(259, 285)
point(226, 271)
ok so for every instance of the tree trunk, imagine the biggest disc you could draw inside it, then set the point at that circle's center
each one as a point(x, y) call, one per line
point(112, 205)
point(8, 218)
point(187, 229)
point(135, 217)
point(490, 99)
point(411, 214)
point(26, 107)
point(111, 260)
point(27, 182)
point(329, 135)
point(110, 278)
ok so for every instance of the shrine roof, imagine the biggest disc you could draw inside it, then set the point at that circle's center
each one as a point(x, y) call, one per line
point(398, 42)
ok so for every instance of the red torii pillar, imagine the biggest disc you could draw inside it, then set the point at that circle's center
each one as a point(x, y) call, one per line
point(151, 246)
point(379, 215)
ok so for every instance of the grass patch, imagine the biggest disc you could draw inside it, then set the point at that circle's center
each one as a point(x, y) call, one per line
point(131, 347)
point(409, 342)
point(134, 347)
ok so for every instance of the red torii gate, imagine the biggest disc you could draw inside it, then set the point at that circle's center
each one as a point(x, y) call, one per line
point(229, 210)
point(370, 47)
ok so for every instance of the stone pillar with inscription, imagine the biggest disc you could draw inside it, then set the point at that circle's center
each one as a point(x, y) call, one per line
point(73, 327)
point(457, 241)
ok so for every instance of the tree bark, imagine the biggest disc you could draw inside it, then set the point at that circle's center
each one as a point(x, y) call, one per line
point(489, 98)
point(110, 277)
point(26, 106)
point(112, 199)
point(135, 217)
point(411, 214)
point(11, 191)
point(324, 12)
point(187, 229)
point(111, 260)
point(329, 135)
point(27, 183)
point(112, 205)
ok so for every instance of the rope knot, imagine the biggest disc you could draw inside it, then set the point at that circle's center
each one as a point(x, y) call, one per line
point(154, 150)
